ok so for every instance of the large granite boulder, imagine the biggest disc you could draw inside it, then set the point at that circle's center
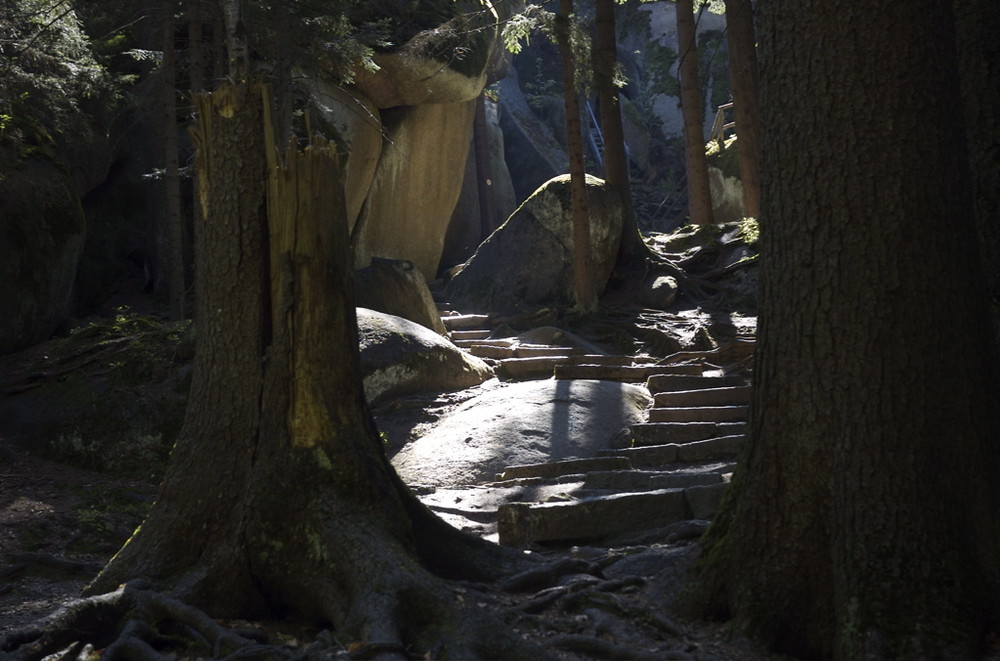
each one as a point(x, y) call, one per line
point(533, 154)
point(529, 260)
point(522, 423)
point(416, 184)
point(396, 286)
point(42, 228)
point(357, 124)
point(450, 63)
point(400, 357)
point(465, 230)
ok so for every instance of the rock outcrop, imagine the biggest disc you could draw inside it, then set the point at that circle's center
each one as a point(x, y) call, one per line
point(522, 423)
point(465, 231)
point(399, 357)
point(416, 184)
point(396, 287)
point(357, 124)
point(42, 229)
point(533, 154)
point(529, 259)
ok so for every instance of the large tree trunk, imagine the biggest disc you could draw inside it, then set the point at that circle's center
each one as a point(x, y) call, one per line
point(863, 521)
point(279, 497)
point(693, 109)
point(977, 24)
point(583, 277)
point(742, 42)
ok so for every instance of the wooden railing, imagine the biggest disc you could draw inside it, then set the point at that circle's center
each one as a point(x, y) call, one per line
point(720, 125)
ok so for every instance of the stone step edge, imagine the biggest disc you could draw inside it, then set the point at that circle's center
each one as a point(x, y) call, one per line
point(707, 414)
point(657, 456)
point(621, 481)
point(523, 524)
point(658, 433)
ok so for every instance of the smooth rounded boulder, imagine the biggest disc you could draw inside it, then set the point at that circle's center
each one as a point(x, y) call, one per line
point(400, 357)
point(522, 423)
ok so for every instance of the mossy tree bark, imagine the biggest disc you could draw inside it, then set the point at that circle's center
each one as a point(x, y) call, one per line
point(862, 521)
point(693, 109)
point(279, 497)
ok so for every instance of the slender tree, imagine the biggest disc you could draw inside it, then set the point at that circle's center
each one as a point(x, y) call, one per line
point(171, 177)
point(863, 521)
point(742, 43)
point(631, 250)
point(583, 279)
point(693, 108)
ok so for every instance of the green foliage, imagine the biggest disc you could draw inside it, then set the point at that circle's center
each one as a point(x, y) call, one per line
point(136, 348)
point(660, 60)
point(47, 74)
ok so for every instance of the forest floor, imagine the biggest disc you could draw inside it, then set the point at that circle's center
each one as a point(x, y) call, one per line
point(61, 524)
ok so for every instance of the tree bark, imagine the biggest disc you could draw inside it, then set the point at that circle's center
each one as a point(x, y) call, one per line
point(742, 42)
point(171, 177)
point(977, 22)
point(693, 109)
point(279, 497)
point(583, 278)
point(873, 417)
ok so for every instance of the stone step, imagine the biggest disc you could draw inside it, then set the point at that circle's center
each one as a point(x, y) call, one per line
point(477, 334)
point(464, 321)
point(679, 368)
point(729, 396)
point(674, 382)
point(641, 480)
point(594, 518)
point(550, 469)
point(545, 366)
point(625, 373)
point(621, 480)
point(699, 414)
point(489, 350)
point(659, 433)
point(529, 368)
point(544, 350)
point(523, 524)
point(721, 448)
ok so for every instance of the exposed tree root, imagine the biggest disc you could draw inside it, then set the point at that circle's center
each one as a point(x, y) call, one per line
point(131, 622)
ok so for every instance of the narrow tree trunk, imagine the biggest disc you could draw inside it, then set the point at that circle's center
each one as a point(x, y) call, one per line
point(632, 250)
point(171, 177)
point(863, 521)
point(484, 171)
point(196, 47)
point(583, 279)
point(742, 43)
point(693, 108)
point(238, 53)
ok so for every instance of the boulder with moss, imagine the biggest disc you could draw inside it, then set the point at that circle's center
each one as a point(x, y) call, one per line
point(528, 261)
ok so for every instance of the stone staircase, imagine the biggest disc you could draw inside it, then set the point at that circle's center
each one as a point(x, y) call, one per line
point(677, 465)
